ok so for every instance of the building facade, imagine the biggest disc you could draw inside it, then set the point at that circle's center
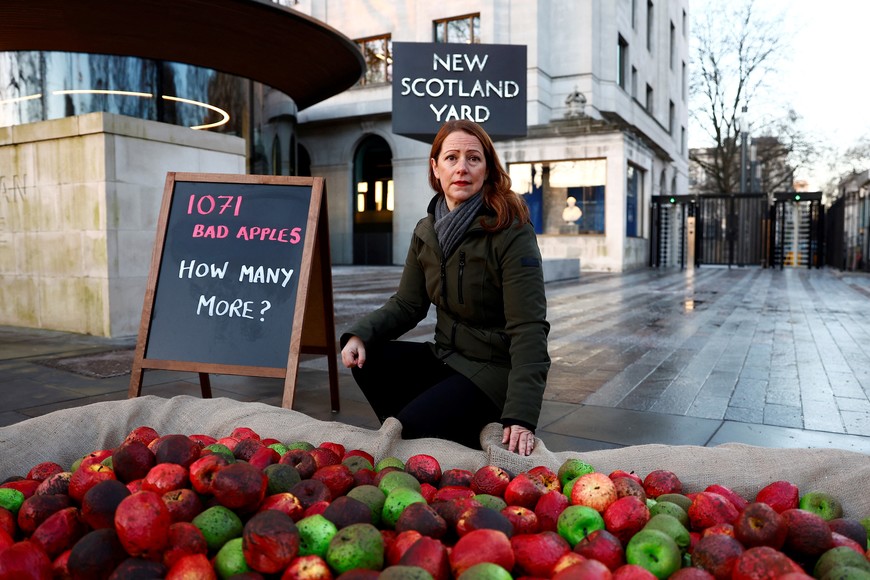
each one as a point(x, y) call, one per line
point(607, 111)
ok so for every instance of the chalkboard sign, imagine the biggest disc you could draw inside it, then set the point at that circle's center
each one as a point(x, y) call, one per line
point(240, 280)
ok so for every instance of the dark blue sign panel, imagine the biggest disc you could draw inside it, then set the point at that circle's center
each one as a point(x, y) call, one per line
point(436, 82)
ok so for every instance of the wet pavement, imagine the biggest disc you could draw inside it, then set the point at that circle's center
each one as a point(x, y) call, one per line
point(775, 358)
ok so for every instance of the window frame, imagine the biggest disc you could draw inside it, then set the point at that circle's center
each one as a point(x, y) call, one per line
point(474, 28)
point(366, 79)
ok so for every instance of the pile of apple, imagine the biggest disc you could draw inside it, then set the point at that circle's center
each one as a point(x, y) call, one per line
point(195, 507)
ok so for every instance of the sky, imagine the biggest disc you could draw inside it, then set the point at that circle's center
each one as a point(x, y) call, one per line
point(825, 74)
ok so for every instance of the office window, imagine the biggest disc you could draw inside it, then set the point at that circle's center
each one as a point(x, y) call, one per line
point(621, 62)
point(649, 25)
point(462, 29)
point(633, 14)
point(634, 82)
point(673, 46)
point(378, 53)
point(684, 82)
point(685, 24)
point(671, 117)
point(682, 140)
point(649, 99)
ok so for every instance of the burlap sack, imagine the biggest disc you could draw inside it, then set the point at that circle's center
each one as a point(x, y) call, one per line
point(64, 436)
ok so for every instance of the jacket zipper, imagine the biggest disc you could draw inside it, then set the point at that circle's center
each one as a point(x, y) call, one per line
point(461, 270)
point(444, 282)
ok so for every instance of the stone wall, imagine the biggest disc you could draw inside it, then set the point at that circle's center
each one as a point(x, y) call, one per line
point(79, 202)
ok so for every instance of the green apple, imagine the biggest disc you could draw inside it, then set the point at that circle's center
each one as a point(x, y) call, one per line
point(821, 503)
point(357, 462)
point(280, 448)
point(672, 527)
point(655, 551)
point(837, 558)
point(303, 445)
point(485, 571)
point(671, 509)
point(281, 478)
point(373, 497)
point(677, 498)
point(389, 462)
point(230, 559)
point(491, 501)
point(218, 525)
point(11, 499)
point(396, 502)
point(315, 533)
point(222, 450)
point(578, 521)
point(572, 469)
point(356, 546)
point(395, 479)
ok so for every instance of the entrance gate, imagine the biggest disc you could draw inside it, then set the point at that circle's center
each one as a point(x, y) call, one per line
point(797, 237)
point(736, 230)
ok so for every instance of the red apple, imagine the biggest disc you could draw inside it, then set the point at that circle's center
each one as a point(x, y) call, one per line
point(546, 476)
point(309, 567)
point(242, 433)
point(425, 468)
point(536, 554)
point(25, 560)
point(284, 502)
point(708, 509)
point(808, 534)
point(176, 448)
point(490, 479)
point(323, 457)
point(456, 477)
point(482, 545)
point(264, 457)
point(338, 478)
point(634, 572)
point(59, 531)
point(165, 477)
point(622, 473)
point(35, 509)
point(452, 492)
point(396, 548)
point(132, 460)
point(202, 472)
point(183, 504)
point(780, 495)
point(524, 520)
point(84, 478)
point(142, 522)
point(763, 562)
point(717, 554)
point(594, 490)
point(429, 554)
point(585, 570)
point(603, 546)
point(760, 525)
point(100, 502)
point(42, 471)
point(549, 507)
point(239, 486)
point(738, 500)
point(524, 490)
point(661, 481)
point(185, 539)
point(626, 516)
point(270, 541)
point(142, 434)
point(628, 486)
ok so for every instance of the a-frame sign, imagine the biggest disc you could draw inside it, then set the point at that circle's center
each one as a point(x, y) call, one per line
point(240, 281)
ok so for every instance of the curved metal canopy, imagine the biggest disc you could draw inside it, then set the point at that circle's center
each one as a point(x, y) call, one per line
point(254, 39)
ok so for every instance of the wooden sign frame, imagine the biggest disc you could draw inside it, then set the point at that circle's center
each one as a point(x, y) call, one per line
point(313, 327)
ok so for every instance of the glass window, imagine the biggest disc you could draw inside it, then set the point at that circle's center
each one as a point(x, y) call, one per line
point(650, 25)
point(378, 54)
point(633, 188)
point(621, 62)
point(564, 197)
point(461, 29)
point(673, 45)
point(671, 117)
point(649, 99)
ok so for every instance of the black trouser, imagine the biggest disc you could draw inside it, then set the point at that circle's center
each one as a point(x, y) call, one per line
point(406, 381)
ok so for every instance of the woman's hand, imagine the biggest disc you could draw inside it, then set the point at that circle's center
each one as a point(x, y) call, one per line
point(354, 353)
point(519, 439)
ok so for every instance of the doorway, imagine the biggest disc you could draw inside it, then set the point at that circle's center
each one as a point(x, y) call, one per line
point(373, 202)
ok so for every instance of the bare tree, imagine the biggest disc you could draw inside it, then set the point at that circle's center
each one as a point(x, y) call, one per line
point(735, 57)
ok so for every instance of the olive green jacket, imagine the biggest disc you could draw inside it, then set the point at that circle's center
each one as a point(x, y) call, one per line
point(491, 312)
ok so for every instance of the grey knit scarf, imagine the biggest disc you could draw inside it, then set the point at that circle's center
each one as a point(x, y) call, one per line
point(450, 226)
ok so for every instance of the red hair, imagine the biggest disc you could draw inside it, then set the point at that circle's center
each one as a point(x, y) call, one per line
point(497, 193)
